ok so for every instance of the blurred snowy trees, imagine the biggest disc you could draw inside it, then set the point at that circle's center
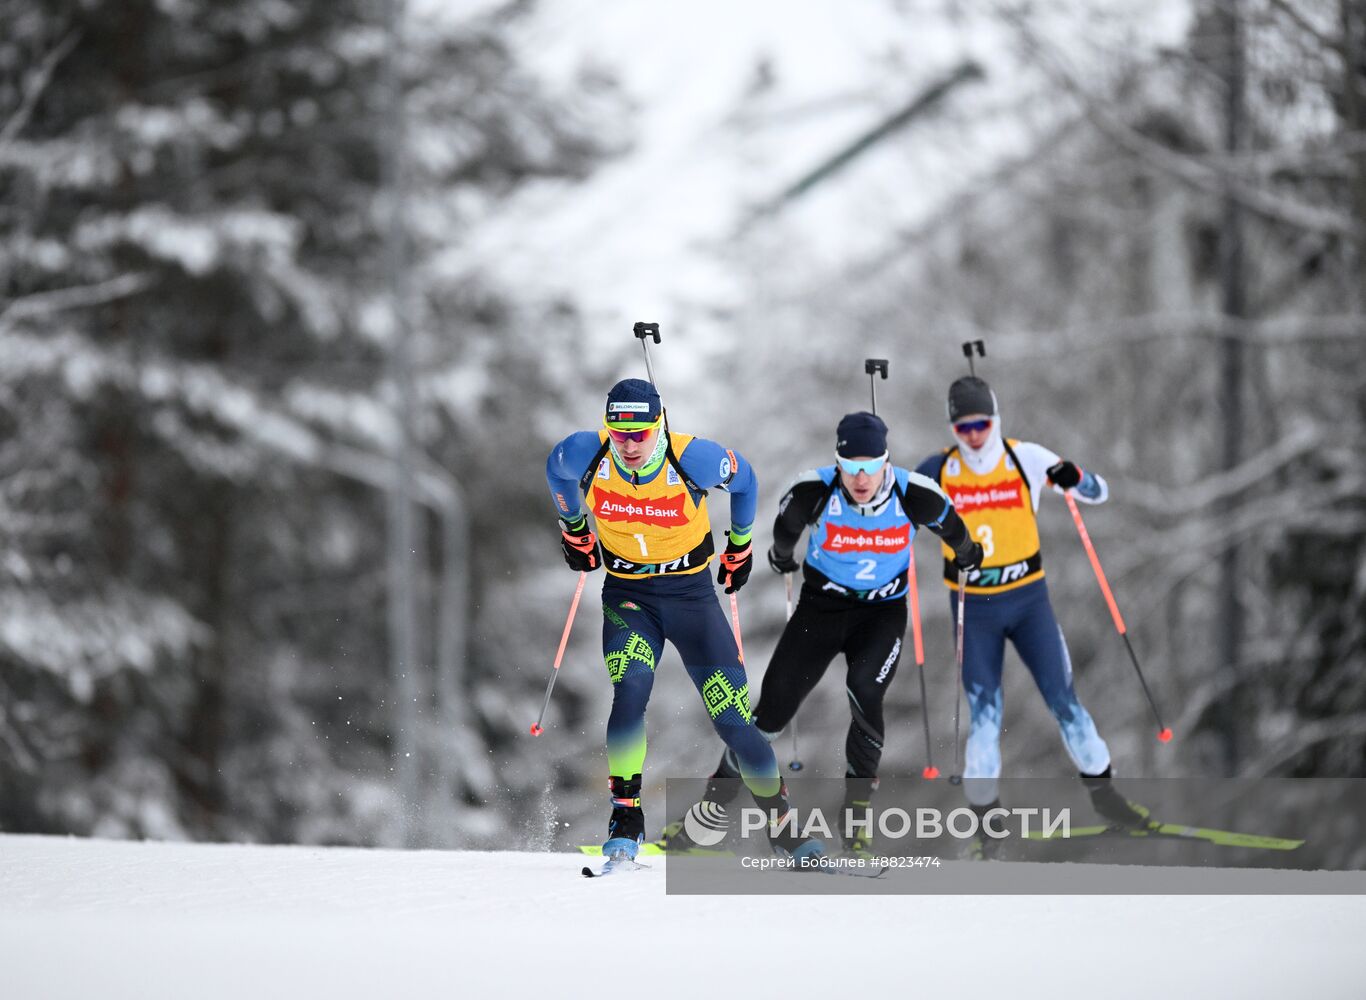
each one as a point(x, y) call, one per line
point(195, 414)
point(1091, 265)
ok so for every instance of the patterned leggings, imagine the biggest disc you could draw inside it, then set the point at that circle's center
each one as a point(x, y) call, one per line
point(638, 616)
point(1025, 617)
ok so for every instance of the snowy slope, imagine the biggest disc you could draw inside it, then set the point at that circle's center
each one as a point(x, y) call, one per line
point(102, 920)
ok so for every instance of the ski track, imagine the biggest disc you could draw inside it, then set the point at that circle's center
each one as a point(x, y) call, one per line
point(107, 920)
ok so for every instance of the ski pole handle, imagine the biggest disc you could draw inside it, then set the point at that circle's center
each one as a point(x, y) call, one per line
point(536, 729)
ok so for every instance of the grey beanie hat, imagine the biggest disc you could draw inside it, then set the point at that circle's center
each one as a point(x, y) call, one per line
point(969, 395)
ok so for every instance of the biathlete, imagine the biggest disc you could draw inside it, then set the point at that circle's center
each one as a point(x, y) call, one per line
point(995, 483)
point(860, 514)
point(646, 489)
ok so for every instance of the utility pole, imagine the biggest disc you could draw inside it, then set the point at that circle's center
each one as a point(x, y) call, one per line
point(1233, 295)
point(402, 528)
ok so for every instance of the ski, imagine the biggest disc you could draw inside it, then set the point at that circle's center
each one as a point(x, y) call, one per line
point(617, 864)
point(595, 850)
point(659, 850)
point(1224, 838)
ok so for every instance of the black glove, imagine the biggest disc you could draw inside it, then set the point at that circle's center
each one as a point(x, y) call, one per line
point(782, 564)
point(1064, 474)
point(736, 562)
point(969, 557)
point(581, 549)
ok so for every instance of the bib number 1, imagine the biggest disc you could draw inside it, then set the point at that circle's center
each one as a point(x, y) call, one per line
point(641, 540)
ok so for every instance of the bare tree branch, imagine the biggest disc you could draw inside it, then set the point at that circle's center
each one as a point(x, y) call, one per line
point(75, 297)
point(1029, 346)
point(1303, 23)
point(34, 87)
point(1307, 733)
point(1183, 168)
point(1188, 499)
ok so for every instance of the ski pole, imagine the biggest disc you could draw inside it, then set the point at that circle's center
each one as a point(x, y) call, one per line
point(735, 626)
point(957, 776)
point(931, 772)
point(1164, 734)
point(795, 764)
point(536, 729)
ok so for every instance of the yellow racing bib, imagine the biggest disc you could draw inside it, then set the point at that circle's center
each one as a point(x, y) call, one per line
point(655, 527)
point(999, 513)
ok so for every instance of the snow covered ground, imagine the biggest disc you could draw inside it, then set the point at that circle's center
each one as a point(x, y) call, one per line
point(104, 920)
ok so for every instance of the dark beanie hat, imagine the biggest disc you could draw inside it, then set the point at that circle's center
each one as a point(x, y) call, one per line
point(861, 434)
point(970, 395)
point(632, 401)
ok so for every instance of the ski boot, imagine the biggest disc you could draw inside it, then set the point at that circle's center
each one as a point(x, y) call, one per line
point(626, 825)
point(722, 789)
point(858, 803)
point(983, 847)
point(1118, 811)
point(805, 852)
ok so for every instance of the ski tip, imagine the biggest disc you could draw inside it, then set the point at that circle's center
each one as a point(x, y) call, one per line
point(1165, 735)
point(588, 872)
point(930, 773)
point(536, 729)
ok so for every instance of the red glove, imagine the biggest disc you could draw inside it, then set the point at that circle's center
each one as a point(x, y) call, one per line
point(581, 549)
point(736, 562)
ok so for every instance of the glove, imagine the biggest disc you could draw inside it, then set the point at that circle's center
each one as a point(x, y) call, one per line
point(969, 557)
point(736, 562)
point(1064, 474)
point(782, 564)
point(581, 549)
